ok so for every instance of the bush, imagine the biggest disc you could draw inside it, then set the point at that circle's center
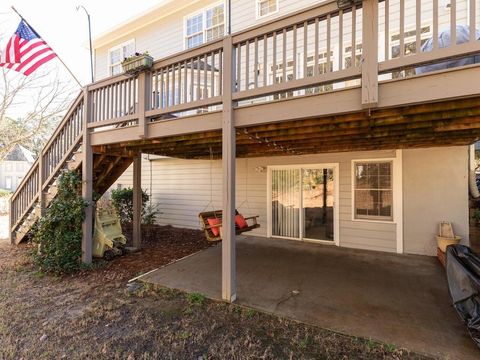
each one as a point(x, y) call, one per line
point(122, 200)
point(59, 232)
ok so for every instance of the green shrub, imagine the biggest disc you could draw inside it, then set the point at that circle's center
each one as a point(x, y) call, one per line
point(59, 232)
point(122, 200)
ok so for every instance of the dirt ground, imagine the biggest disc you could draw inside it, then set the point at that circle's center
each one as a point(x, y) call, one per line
point(95, 315)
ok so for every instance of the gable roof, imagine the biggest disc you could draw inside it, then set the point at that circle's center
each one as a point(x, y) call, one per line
point(145, 18)
point(20, 153)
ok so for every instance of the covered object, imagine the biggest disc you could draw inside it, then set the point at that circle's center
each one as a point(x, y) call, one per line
point(463, 274)
point(444, 41)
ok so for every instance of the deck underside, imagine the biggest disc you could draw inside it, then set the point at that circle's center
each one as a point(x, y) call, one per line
point(445, 123)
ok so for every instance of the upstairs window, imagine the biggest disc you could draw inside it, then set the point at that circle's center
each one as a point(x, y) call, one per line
point(266, 7)
point(117, 54)
point(205, 26)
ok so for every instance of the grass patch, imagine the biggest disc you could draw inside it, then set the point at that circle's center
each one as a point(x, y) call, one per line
point(196, 299)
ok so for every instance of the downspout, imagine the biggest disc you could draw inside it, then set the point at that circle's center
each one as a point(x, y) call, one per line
point(472, 176)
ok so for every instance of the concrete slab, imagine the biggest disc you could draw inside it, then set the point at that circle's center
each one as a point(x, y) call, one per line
point(398, 299)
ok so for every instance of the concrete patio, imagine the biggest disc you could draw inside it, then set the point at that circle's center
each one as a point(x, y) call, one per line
point(398, 299)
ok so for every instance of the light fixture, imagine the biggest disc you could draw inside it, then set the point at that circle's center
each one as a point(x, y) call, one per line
point(347, 4)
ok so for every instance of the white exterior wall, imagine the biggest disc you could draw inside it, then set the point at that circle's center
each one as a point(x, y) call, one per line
point(182, 188)
point(435, 184)
point(435, 188)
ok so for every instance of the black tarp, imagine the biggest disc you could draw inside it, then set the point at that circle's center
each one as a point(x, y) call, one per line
point(463, 275)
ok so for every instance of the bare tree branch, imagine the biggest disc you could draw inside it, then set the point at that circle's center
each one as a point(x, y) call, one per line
point(31, 107)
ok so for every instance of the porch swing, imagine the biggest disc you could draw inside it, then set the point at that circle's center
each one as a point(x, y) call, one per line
point(211, 221)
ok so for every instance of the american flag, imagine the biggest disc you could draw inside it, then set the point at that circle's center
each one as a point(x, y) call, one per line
point(26, 51)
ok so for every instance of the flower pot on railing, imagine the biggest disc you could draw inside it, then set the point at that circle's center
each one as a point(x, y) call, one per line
point(136, 63)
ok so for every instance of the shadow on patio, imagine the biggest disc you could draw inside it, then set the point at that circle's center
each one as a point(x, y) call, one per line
point(399, 299)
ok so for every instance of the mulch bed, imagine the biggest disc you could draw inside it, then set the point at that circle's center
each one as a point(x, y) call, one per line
point(161, 245)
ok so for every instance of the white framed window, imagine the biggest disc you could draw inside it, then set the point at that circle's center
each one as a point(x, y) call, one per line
point(373, 190)
point(206, 25)
point(117, 54)
point(265, 7)
point(8, 182)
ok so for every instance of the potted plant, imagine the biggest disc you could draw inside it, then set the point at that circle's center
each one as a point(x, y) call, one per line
point(137, 62)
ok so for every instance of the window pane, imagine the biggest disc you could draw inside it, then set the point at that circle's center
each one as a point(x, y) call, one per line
point(195, 40)
point(115, 56)
point(194, 24)
point(373, 195)
point(215, 33)
point(266, 7)
point(386, 203)
point(215, 16)
point(116, 69)
point(128, 50)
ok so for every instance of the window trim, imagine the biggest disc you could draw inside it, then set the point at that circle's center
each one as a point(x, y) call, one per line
point(203, 11)
point(257, 10)
point(395, 191)
point(116, 47)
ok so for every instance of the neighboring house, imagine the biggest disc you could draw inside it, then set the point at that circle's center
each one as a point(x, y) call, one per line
point(14, 167)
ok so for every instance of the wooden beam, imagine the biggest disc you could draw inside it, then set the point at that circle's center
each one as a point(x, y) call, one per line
point(137, 202)
point(87, 183)
point(369, 53)
point(229, 278)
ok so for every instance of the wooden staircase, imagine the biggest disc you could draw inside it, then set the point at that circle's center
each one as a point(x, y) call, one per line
point(62, 152)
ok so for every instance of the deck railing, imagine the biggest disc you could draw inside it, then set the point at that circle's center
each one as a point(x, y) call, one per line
point(319, 49)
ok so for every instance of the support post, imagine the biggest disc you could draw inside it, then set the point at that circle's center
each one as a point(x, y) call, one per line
point(137, 202)
point(11, 234)
point(370, 54)
point(41, 176)
point(87, 183)
point(144, 100)
point(229, 290)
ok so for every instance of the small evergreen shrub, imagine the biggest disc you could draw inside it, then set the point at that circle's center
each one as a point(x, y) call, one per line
point(122, 200)
point(59, 233)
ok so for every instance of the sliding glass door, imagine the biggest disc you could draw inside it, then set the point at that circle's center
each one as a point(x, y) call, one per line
point(286, 203)
point(302, 202)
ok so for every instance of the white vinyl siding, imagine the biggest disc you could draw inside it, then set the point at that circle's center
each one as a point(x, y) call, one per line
point(435, 182)
point(183, 189)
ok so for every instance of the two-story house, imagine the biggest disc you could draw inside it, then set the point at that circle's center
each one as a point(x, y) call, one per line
point(345, 123)
point(372, 200)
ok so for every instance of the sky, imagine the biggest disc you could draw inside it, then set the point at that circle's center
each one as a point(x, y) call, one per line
point(65, 29)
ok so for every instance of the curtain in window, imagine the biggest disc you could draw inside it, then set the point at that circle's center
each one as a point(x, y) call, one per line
point(286, 203)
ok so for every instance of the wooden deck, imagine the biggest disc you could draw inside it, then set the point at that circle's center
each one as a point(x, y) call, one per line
point(285, 87)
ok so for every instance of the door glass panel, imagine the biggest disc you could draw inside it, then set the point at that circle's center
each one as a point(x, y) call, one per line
point(318, 201)
point(286, 203)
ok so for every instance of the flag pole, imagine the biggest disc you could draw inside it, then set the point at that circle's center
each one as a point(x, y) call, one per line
point(66, 67)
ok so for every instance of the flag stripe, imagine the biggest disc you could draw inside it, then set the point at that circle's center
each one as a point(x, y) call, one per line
point(26, 51)
point(39, 63)
point(27, 61)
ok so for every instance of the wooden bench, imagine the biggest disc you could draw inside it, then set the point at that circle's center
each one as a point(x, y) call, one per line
point(217, 214)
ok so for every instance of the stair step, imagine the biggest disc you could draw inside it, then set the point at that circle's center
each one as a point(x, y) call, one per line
point(73, 164)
